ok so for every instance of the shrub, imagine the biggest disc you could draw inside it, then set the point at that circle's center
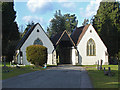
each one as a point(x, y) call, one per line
point(36, 54)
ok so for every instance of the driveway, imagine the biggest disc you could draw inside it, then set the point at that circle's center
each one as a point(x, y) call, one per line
point(62, 76)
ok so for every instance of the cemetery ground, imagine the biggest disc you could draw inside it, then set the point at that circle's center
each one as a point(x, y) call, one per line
point(9, 71)
point(99, 80)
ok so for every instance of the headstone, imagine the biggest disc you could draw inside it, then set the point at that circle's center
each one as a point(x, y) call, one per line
point(4, 60)
point(13, 63)
point(98, 65)
point(105, 72)
point(104, 68)
point(10, 63)
point(101, 61)
point(109, 69)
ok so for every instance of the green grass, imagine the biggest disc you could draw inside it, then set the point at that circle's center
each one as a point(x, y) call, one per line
point(13, 71)
point(99, 80)
point(7, 64)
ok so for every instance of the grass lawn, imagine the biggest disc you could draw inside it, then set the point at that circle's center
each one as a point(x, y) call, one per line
point(99, 80)
point(13, 71)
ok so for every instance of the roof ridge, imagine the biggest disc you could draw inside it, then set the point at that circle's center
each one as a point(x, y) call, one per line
point(83, 32)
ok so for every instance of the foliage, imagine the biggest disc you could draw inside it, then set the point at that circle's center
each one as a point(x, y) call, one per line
point(61, 22)
point(70, 22)
point(57, 24)
point(86, 21)
point(30, 24)
point(10, 31)
point(36, 54)
point(11, 50)
point(107, 24)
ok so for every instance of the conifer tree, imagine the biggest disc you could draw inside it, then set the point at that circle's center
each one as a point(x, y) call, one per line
point(107, 24)
point(10, 33)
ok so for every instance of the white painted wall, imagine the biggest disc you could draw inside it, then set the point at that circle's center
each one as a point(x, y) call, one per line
point(30, 40)
point(73, 56)
point(100, 48)
point(54, 62)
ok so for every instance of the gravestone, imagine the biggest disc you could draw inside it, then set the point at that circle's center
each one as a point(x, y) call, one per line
point(98, 65)
point(10, 63)
point(105, 72)
point(108, 73)
point(101, 61)
point(4, 60)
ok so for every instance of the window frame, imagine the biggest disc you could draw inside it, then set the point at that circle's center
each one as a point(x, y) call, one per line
point(38, 42)
point(91, 47)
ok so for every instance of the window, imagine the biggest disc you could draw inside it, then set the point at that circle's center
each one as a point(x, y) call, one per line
point(37, 30)
point(91, 50)
point(38, 42)
point(90, 31)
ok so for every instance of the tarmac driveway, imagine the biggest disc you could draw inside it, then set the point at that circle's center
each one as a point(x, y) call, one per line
point(54, 77)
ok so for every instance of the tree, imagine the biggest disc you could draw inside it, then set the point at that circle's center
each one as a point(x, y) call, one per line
point(70, 22)
point(10, 31)
point(86, 21)
point(27, 28)
point(62, 22)
point(107, 24)
point(57, 24)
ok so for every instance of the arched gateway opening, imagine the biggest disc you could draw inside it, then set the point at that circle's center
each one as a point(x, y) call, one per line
point(63, 44)
point(64, 52)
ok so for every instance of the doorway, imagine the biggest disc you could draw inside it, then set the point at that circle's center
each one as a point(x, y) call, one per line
point(64, 52)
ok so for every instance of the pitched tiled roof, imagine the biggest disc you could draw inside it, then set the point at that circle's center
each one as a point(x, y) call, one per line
point(55, 38)
point(61, 36)
point(78, 34)
point(21, 42)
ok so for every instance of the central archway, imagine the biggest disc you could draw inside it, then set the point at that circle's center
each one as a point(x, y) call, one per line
point(64, 52)
point(64, 46)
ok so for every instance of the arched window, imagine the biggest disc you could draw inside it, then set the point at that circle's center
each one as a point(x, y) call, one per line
point(38, 42)
point(91, 49)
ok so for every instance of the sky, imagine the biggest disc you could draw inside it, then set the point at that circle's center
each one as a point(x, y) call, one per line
point(42, 11)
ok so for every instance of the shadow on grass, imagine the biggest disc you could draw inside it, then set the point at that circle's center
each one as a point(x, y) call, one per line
point(99, 80)
point(8, 72)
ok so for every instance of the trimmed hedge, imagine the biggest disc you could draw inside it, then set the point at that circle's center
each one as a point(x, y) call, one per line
point(36, 54)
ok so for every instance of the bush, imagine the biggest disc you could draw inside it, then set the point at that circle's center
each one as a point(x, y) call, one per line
point(36, 54)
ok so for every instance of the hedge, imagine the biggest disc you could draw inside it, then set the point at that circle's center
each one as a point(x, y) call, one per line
point(36, 54)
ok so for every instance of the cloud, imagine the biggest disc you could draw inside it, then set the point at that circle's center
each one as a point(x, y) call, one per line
point(35, 19)
point(43, 6)
point(39, 6)
point(69, 5)
point(91, 9)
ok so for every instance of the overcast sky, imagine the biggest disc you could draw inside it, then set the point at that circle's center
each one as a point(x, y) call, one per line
point(42, 11)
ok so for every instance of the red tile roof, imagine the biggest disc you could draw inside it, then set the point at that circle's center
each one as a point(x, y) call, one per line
point(78, 34)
